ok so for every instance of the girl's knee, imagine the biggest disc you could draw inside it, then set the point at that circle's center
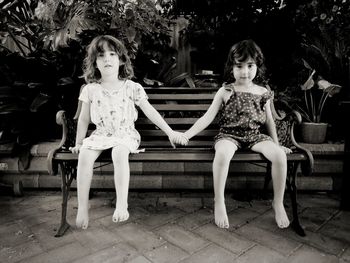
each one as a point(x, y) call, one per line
point(86, 158)
point(224, 155)
point(120, 154)
point(279, 157)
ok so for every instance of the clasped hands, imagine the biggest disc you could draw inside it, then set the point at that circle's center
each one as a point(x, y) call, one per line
point(178, 138)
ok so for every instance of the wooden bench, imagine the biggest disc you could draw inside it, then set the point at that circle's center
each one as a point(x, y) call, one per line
point(181, 107)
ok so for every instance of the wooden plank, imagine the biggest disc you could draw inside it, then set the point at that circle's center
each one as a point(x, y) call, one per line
point(184, 121)
point(181, 97)
point(198, 143)
point(145, 133)
point(180, 90)
point(181, 155)
point(181, 107)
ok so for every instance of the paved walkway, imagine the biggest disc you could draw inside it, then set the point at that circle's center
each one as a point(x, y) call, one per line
point(171, 227)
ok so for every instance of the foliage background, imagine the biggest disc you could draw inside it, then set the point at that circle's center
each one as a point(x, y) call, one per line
point(43, 44)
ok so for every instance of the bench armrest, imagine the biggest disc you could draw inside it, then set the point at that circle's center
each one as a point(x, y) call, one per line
point(307, 168)
point(285, 126)
point(62, 120)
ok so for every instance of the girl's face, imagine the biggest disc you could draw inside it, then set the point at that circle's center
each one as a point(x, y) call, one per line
point(108, 62)
point(244, 72)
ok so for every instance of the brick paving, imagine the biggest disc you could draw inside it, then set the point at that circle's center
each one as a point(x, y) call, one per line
point(171, 227)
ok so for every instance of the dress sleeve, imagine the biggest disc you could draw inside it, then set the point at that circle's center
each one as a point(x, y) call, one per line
point(84, 94)
point(139, 94)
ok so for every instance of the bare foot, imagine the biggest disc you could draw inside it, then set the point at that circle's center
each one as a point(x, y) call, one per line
point(280, 215)
point(120, 213)
point(221, 219)
point(82, 220)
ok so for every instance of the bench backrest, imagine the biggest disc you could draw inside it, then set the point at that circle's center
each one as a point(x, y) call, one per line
point(181, 107)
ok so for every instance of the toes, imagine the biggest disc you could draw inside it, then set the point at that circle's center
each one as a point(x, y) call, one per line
point(222, 224)
point(115, 217)
point(126, 216)
point(119, 216)
point(283, 223)
point(82, 224)
point(82, 219)
point(123, 218)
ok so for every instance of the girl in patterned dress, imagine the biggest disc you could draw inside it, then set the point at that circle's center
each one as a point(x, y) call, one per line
point(244, 109)
point(109, 101)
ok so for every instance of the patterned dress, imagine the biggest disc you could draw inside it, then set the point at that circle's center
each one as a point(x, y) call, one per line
point(243, 117)
point(114, 114)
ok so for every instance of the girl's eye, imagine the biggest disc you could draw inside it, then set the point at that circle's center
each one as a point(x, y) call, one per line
point(100, 54)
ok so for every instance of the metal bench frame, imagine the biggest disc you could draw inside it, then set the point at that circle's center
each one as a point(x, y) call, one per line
point(175, 104)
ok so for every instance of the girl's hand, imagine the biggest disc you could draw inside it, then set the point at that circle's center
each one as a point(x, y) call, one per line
point(285, 149)
point(75, 149)
point(181, 139)
point(178, 138)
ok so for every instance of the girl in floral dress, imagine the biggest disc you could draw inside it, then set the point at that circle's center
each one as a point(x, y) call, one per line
point(244, 109)
point(109, 101)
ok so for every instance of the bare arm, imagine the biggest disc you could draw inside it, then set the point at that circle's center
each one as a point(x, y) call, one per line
point(270, 123)
point(204, 121)
point(158, 120)
point(152, 114)
point(83, 124)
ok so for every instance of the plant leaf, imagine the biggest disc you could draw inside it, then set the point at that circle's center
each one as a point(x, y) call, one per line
point(309, 83)
point(328, 87)
point(306, 64)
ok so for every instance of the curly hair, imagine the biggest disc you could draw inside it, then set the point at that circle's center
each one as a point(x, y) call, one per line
point(97, 45)
point(240, 52)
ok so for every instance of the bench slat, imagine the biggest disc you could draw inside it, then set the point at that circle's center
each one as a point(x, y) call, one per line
point(187, 155)
point(160, 133)
point(177, 90)
point(173, 121)
point(181, 107)
point(192, 143)
point(181, 97)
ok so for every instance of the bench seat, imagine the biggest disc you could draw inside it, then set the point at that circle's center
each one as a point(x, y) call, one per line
point(187, 154)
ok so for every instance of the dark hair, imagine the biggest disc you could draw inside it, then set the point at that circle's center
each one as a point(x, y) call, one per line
point(97, 45)
point(240, 52)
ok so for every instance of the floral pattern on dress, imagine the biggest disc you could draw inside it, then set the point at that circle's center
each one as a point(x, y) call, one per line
point(114, 113)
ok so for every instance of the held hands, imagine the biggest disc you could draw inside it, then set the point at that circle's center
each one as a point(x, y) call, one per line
point(178, 138)
point(75, 149)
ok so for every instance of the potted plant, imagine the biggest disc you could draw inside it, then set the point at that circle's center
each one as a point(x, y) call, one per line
point(316, 92)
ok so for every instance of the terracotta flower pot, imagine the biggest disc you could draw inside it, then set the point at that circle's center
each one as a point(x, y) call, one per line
point(312, 132)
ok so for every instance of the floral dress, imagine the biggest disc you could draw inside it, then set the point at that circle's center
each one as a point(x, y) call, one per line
point(243, 117)
point(114, 114)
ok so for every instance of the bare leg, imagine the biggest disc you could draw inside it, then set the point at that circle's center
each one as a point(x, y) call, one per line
point(86, 162)
point(120, 156)
point(224, 151)
point(279, 174)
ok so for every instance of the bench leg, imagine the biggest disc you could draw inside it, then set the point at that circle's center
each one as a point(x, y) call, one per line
point(67, 176)
point(292, 173)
